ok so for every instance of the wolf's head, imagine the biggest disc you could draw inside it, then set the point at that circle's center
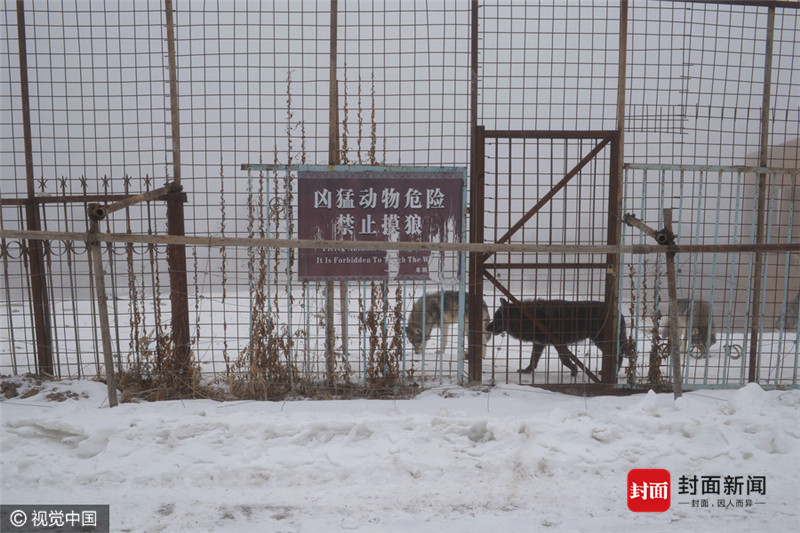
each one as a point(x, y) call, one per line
point(499, 323)
point(415, 335)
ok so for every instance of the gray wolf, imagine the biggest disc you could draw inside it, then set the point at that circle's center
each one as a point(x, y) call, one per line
point(698, 316)
point(438, 310)
point(569, 322)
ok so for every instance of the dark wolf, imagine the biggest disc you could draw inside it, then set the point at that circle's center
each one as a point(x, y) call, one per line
point(569, 322)
point(438, 310)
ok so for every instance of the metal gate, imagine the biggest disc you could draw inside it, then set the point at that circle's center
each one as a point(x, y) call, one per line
point(548, 187)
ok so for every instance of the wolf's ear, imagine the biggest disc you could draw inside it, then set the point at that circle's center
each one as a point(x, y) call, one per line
point(503, 301)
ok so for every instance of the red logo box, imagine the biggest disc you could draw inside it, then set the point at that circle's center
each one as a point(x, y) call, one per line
point(649, 490)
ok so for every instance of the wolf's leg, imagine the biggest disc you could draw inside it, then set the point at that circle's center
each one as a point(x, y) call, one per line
point(566, 361)
point(630, 349)
point(700, 339)
point(486, 335)
point(536, 353)
point(445, 333)
point(707, 337)
point(684, 336)
point(466, 340)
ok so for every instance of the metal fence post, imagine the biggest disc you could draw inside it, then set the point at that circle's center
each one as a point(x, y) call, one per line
point(758, 267)
point(476, 260)
point(102, 306)
point(476, 348)
point(609, 369)
point(672, 287)
point(35, 248)
point(333, 159)
point(176, 253)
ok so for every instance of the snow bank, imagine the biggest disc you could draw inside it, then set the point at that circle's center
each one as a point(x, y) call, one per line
point(509, 458)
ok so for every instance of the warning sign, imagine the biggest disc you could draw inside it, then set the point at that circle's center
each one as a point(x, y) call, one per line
point(380, 205)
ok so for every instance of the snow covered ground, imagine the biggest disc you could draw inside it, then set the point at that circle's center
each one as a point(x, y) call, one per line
point(508, 458)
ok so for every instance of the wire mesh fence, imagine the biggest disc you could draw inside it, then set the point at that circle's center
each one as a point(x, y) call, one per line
point(715, 206)
point(706, 95)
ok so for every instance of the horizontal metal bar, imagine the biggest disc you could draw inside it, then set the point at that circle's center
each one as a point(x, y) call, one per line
point(710, 168)
point(421, 246)
point(593, 389)
point(544, 266)
point(67, 199)
point(345, 168)
point(549, 134)
point(790, 4)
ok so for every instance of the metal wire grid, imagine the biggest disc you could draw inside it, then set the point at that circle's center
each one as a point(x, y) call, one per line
point(715, 206)
point(257, 80)
point(253, 88)
point(785, 119)
point(549, 66)
point(98, 92)
point(99, 116)
point(520, 172)
point(696, 74)
point(416, 60)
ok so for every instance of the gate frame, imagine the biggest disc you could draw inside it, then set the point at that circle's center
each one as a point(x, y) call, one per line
point(477, 262)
